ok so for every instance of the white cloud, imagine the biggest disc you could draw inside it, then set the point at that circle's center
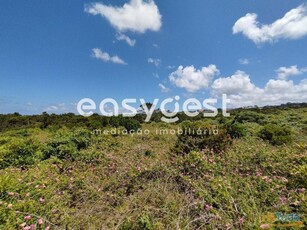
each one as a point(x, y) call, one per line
point(156, 75)
point(193, 79)
point(239, 82)
point(292, 26)
point(276, 86)
point(137, 15)
point(243, 61)
point(52, 108)
point(282, 91)
point(58, 108)
point(156, 62)
point(98, 54)
point(163, 88)
point(284, 72)
point(171, 67)
point(242, 92)
point(123, 37)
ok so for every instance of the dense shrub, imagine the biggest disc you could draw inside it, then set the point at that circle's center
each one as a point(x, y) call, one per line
point(65, 145)
point(4, 140)
point(199, 135)
point(81, 138)
point(235, 130)
point(113, 121)
point(129, 124)
point(94, 124)
point(20, 153)
point(275, 134)
point(250, 116)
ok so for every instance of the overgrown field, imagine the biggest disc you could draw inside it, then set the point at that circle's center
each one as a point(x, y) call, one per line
point(69, 177)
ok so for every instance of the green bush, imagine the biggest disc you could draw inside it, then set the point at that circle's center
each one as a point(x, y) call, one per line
point(275, 134)
point(66, 145)
point(250, 116)
point(20, 153)
point(198, 136)
point(130, 124)
point(145, 223)
point(236, 130)
point(94, 124)
point(4, 140)
point(81, 138)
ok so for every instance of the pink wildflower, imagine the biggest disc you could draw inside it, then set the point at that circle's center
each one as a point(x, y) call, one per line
point(283, 199)
point(263, 226)
point(301, 190)
point(40, 221)
point(208, 207)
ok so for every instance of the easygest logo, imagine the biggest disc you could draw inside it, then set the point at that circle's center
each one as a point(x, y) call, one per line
point(191, 107)
point(279, 219)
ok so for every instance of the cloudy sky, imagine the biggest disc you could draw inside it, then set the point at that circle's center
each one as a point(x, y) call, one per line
point(54, 53)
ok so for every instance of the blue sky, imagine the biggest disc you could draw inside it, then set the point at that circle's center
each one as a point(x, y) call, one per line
point(54, 53)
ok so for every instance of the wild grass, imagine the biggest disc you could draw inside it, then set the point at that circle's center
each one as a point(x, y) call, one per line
point(73, 179)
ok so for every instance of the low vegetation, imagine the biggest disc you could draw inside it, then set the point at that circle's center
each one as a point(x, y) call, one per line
point(56, 173)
